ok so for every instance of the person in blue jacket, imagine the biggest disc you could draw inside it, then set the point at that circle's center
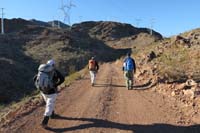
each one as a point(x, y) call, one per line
point(129, 69)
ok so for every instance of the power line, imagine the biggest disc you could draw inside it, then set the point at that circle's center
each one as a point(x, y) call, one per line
point(2, 21)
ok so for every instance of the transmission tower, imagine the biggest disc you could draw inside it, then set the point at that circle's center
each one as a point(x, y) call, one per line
point(66, 8)
point(2, 22)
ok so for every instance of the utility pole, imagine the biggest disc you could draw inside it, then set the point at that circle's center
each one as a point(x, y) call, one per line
point(2, 23)
point(152, 22)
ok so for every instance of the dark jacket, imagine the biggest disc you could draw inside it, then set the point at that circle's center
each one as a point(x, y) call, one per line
point(58, 79)
point(97, 65)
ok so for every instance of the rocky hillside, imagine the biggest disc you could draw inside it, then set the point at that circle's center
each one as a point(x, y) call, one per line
point(117, 34)
point(175, 59)
point(17, 24)
point(172, 67)
point(26, 44)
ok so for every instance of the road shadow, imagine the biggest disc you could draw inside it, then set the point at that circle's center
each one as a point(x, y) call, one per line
point(135, 128)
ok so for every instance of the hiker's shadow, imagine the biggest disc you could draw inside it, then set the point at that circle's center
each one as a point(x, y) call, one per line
point(135, 128)
point(147, 85)
point(108, 85)
point(144, 86)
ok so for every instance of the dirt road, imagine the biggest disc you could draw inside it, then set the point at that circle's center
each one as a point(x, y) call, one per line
point(108, 107)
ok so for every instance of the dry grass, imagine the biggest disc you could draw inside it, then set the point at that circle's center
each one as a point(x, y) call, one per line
point(175, 64)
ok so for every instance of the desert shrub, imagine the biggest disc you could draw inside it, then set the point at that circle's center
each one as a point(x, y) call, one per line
point(176, 64)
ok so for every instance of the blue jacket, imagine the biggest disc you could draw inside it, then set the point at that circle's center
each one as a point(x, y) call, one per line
point(126, 67)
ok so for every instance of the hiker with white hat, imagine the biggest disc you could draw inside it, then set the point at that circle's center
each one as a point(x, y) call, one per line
point(47, 80)
point(93, 68)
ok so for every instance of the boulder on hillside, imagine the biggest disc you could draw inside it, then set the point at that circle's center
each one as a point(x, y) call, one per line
point(190, 89)
point(151, 56)
point(182, 40)
point(190, 83)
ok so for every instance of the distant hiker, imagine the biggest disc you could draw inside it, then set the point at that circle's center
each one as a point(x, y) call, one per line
point(129, 69)
point(47, 80)
point(93, 68)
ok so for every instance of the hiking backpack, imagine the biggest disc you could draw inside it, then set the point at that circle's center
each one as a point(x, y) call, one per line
point(92, 65)
point(44, 80)
point(129, 64)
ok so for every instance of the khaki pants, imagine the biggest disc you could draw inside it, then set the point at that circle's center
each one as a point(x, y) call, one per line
point(129, 78)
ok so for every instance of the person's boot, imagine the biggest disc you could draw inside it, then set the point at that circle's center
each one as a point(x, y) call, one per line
point(53, 115)
point(45, 121)
point(131, 84)
point(92, 84)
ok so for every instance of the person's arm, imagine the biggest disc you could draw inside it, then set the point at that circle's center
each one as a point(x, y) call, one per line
point(34, 78)
point(97, 65)
point(59, 78)
point(88, 65)
point(134, 65)
point(124, 65)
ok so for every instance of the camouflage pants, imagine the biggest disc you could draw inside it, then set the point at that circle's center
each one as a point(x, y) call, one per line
point(129, 78)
